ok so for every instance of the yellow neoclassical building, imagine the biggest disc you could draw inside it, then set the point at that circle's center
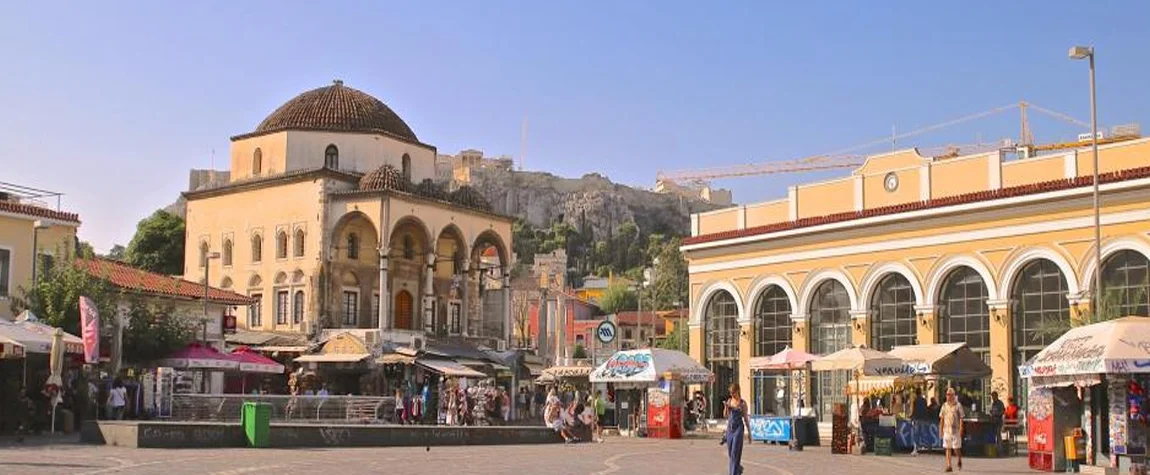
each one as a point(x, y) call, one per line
point(331, 205)
point(909, 249)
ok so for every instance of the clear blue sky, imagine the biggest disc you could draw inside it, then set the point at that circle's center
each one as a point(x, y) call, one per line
point(113, 102)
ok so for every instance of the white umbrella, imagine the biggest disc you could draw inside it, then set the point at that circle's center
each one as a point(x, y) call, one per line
point(56, 367)
point(862, 361)
point(1120, 346)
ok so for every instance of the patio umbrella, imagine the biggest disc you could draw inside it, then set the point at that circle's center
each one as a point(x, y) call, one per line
point(199, 356)
point(253, 362)
point(56, 369)
point(863, 361)
point(789, 358)
point(1083, 354)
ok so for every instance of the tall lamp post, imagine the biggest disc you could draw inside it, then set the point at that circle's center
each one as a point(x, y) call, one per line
point(1087, 52)
point(208, 256)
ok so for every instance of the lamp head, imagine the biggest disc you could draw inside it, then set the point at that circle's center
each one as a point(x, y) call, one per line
point(1081, 52)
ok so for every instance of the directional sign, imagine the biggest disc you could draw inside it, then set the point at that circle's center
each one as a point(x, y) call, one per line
point(605, 332)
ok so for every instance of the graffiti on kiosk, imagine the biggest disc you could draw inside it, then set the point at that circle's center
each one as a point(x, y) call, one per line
point(624, 365)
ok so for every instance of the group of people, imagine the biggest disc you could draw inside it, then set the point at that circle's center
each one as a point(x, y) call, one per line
point(572, 418)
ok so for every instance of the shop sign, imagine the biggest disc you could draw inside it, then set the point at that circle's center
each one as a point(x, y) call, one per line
point(628, 365)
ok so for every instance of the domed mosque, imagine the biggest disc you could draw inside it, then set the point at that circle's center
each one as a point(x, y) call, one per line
point(332, 220)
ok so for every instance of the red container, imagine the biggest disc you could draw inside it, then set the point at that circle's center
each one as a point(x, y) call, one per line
point(1043, 461)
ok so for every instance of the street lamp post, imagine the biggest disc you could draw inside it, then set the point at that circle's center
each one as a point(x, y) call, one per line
point(208, 256)
point(1087, 52)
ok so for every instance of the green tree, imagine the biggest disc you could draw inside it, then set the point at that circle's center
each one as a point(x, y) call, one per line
point(668, 289)
point(158, 245)
point(84, 249)
point(677, 340)
point(153, 332)
point(580, 353)
point(618, 298)
point(117, 253)
point(524, 242)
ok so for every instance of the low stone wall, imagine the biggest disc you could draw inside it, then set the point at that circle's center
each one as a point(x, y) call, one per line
point(162, 434)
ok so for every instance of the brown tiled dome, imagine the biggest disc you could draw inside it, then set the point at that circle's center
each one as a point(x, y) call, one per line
point(386, 177)
point(467, 196)
point(336, 108)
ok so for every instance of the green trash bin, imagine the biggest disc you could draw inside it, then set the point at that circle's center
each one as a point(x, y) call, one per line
point(882, 446)
point(256, 419)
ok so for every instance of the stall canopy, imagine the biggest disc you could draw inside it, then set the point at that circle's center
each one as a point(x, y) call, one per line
point(10, 348)
point(36, 337)
point(948, 360)
point(559, 372)
point(449, 368)
point(869, 362)
point(788, 359)
point(199, 356)
point(1083, 354)
point(252, 362)
point(648, 366)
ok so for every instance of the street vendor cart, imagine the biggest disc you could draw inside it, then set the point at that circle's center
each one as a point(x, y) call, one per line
point(662, 375)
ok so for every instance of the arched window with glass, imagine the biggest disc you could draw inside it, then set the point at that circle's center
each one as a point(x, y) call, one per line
point(299, 242)
point(965, 318)
point(352, 246)
point(772, 317)
point(227, 257)
point(257, 248)
point(893, 321)
point(1040, 314)
point(257, 161)
point(405, 162)
point(331, 157)
point(1125, 288)
point(203, 254)
point(722, 346)
point(297, 307)
point(830, 331)
point(281, 245)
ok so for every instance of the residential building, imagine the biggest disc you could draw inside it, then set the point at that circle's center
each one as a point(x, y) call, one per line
point(29, 226)
point(594, 287)
point(331, 219)
point(911, 249)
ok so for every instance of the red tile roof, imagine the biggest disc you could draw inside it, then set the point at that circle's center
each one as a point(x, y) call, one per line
point(988, 195)
point(39, 212)
point(130, 278)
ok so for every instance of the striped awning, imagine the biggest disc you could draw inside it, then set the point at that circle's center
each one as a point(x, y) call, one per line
point(449, 368)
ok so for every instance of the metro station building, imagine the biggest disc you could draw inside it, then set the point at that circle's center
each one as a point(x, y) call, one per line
point(910, 249)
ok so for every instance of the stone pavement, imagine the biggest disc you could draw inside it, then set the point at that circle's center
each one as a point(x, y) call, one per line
point(616, 456)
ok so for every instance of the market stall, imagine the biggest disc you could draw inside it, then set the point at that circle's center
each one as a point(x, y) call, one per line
point(775, 417)
point(252, 367)
point(1092, 379)
point(859, 361)
point(662, 374)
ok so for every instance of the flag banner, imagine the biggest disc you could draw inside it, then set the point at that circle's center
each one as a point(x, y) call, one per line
point(90, 326)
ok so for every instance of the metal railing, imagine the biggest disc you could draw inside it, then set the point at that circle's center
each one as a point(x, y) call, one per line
point(286, 409)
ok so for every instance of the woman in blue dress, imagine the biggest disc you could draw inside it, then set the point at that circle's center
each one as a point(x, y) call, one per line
point(737, 422)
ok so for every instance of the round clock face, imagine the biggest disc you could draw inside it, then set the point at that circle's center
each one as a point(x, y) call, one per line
point(890, 182)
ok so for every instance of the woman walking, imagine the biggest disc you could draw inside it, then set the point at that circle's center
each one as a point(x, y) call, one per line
point(737, 421)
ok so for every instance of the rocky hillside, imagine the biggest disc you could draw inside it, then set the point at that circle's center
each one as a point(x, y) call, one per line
point(592, 201)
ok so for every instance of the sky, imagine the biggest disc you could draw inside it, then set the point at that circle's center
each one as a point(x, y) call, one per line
point(112, 103)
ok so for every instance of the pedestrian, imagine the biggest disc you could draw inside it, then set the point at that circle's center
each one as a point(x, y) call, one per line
point(1011, 412)
point(522, 403)
point(506, 401)
point(735, 408)
point(919, 417)
point(950, 428)
point(997, 410)
point(540, 402)
point(117, 399)
point(701, 410)
point(600, 409)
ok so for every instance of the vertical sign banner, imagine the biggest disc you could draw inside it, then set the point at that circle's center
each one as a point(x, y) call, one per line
point(90, 326)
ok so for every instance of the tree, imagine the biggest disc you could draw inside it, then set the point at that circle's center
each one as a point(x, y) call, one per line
point(668, 291)
point(1110, 307)
point(117, 253)
point(84, 249)
point(158, 245)
point(618, 298)
point(153, 332)
point(677, 340)
point(580, 353)
point(524, 290)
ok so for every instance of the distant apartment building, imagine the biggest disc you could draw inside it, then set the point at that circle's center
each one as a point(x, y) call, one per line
point(29, 225)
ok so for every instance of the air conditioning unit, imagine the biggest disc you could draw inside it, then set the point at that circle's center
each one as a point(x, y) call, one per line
point(370, 337)
point(418, 343)
point(501, 345)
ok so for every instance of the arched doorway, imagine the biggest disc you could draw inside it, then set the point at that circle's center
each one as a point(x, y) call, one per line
point(772, 319)
point(830, 325)
point(404, 310)
point(489, 299)
point(965, 318)
point(891, 306)
point(722, 346)
point(1039, 311)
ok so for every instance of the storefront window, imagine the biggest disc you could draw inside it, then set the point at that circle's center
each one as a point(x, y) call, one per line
point(965, 318)
point(892, 310)
point(830, 332)
point(772, 322)
point(1125, 288)
point(1039, 310)
point(722, 347)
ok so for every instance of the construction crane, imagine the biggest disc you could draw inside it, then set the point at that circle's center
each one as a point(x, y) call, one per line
point(849, 158)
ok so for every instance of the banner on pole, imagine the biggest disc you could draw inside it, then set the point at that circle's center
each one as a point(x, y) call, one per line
point(90, 326)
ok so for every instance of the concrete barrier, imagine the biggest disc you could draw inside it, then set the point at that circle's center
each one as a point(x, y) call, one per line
point(163, 434)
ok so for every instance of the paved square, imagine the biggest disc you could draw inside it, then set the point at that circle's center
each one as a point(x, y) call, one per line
point(616, 456)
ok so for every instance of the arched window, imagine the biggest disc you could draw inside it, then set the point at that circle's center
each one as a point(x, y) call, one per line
point(1125, 288)
point(406, 163)
point(772, 334)
point(203, 253)
point(1039, 310)
point(257, 248)
point(299, 235)
point(352, 246)
point(408, 247)
point(722, 346)
point(772, 322)
point(331, 157)
point(257, 161)
point(281, 245)
point(892, 309)
point(227, 257)
point(297, 308)
point(830, 325)
point(964, 317)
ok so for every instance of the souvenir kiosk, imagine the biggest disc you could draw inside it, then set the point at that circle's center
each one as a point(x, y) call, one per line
point(777, 416)
point(1088, 388)
point(662, 375)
